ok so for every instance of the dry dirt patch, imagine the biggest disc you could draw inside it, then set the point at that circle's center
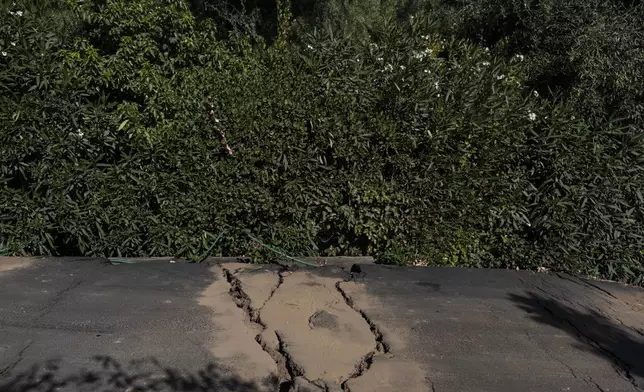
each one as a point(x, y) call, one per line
point(11, 263)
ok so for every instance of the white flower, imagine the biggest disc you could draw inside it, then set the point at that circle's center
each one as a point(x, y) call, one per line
point(309, 47)
point(438, 95)
point(487, 50)
point(520, 57)
point(535, 93)
point(389, 67)
point(532, 116)
point(4, 54)
point(485, 63)
point(421, 55)
point(436, 85)
point(402, 67)
point(373, 46)
point(500, 77)
point(79, 133)
point(420, 263)
point(425, 37)
point(11, 13)
point(379, 59)
point(19, 13)
point(13, 44)
point(427, 71)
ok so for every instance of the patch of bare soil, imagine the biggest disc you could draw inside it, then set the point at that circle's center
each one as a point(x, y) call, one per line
point(11, 263)
point(321, 334)
point(390, 374)
point(233, 342)
point(388, 370)
point(319, 337)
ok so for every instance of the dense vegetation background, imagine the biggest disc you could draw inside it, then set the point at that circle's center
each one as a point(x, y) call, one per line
point(488, 133)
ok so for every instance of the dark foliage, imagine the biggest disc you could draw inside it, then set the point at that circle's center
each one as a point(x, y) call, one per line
point(390, 139)
point(589, 52)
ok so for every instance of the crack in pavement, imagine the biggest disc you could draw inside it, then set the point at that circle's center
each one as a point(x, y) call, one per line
point(287, 370)
point(233, 343)
point(623, 324)
point(293, 369)
point(381, 346)
point(587, 380)
point(620, 366)
point(577, 304)
point(7, 369)
point(280, 280)
point(291, 373)
point(576, 280)
point(59, 296)
point(319, 335)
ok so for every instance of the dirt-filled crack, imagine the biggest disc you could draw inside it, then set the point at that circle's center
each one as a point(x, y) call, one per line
point(292, 368)
point(381, 346)
point(280, 277)
point(287, 369)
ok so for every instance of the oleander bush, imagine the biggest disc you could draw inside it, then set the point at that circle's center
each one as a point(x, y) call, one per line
point(588, 51)
point(147, 127)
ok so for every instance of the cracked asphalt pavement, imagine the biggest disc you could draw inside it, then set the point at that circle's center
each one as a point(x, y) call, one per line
point(72, 324)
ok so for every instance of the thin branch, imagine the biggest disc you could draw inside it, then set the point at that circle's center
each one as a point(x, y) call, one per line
point(215, 125)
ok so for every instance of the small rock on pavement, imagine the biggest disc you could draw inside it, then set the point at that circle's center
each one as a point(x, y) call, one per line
point(323, 319)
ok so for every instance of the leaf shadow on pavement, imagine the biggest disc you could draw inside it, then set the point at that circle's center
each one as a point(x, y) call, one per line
point(594, 331)
point(136, 376)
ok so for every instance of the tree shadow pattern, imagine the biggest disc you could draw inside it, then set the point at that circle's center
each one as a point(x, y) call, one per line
point(136, 376)
point(596, 333)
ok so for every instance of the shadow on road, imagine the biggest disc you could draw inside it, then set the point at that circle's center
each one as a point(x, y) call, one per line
point(136, 376)
point(596, 333)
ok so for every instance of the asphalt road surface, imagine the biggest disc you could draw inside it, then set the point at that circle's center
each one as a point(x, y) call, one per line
point(87, 325)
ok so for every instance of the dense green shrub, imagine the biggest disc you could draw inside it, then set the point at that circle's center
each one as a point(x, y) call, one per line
point(401, 143)
point(589, 52)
